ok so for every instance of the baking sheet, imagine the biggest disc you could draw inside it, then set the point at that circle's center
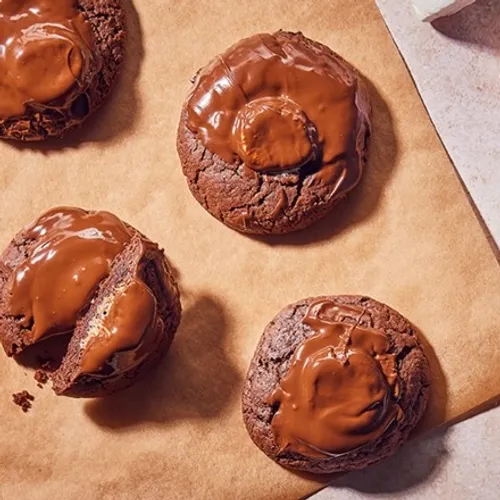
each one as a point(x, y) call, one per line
point(407, 237)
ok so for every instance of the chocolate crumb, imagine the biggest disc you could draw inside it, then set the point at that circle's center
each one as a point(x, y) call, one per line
point(23, 399)
point(41, 377)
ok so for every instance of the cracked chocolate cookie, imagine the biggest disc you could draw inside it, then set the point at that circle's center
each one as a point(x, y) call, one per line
point(58, 61)
point(336, 383)
point(274, 132)
point(93, 277)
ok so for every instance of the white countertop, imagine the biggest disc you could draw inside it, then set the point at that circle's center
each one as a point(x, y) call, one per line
point(461, 462)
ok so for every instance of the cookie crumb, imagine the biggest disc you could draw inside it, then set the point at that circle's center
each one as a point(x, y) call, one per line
point(23, 399)
point(41, 377)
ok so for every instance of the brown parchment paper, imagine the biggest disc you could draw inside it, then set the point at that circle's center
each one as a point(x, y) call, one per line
point(407, 237)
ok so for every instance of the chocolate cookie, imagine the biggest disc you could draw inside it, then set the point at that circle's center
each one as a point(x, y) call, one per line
point(337, 383)
point(58, 61)
point(274, 132)
point(90, 275)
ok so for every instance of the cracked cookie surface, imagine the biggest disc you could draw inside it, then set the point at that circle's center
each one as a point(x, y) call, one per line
point(270, 199)
point(272, 361)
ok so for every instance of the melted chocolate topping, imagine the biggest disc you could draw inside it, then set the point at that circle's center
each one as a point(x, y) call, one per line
point(277, 103)
point(341, 389)
point(69, 252)
point(127, 334)
point(73, 252)
point(46, 56)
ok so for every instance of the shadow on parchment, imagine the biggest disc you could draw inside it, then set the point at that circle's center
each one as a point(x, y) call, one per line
point(362, 202)
point(51, 351)
point(120, 111)
point(195, 380)
point(406, 468)
point(477, 24)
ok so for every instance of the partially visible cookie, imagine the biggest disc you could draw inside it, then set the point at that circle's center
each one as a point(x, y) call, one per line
point(93, 277)
point(336, 383)
point(58, 61)
point(274, 132)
